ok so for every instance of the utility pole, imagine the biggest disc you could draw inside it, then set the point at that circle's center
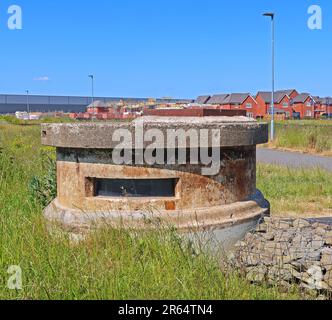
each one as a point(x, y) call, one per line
point(28, 104)
point(91, 76)
point(272, 16)
point(328, 108)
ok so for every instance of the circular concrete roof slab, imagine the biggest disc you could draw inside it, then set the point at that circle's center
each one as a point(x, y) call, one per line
point(234, 132)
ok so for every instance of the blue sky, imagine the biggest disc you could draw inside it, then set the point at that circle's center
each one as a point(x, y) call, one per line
point(177, 48)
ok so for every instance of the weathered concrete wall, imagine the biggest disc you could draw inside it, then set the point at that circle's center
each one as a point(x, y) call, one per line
point(236, 181)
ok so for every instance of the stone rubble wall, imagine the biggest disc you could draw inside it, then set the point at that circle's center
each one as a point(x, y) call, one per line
point(287, 252)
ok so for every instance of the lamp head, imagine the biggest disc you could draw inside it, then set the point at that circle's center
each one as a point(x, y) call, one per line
point(269, 14)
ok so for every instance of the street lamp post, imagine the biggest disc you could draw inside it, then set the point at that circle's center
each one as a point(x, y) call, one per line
point(28, 104)
point(272, 15)
point(91, 76)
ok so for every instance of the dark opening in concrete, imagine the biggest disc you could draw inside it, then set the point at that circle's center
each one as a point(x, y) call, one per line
point(135, 188)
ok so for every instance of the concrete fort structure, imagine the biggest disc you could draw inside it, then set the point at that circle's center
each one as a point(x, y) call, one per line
point(196, 172)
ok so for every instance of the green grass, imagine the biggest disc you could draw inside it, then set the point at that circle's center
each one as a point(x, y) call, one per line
point(296, 191)
point(306, 136)
point(108, 265)
point(8, 119)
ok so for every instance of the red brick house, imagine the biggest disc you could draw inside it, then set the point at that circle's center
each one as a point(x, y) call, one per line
point(97, 110)
point(323, 106)
point(320, 108)
point(202, 99)
point(328, 105)
point(304, 104)
point(237, 101)
point(288, 104)
point(292, 93)
point(97, 107)
point(243, 101)
point(217, 100)
point(282, 103)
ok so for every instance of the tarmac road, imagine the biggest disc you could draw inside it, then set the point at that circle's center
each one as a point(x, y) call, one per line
point(293, 159)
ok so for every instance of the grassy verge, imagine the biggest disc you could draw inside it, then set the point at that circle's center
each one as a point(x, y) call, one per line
point(14, 121)
point(296, 192)
point(109, 265)
point(304, 136)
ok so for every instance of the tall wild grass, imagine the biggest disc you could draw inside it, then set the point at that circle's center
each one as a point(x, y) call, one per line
point(110, 264)
point(309, 136)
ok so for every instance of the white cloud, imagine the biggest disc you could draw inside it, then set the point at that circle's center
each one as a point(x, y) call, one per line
point(45, 78)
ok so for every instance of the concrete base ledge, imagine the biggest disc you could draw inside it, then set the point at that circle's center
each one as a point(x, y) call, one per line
point(199, 220)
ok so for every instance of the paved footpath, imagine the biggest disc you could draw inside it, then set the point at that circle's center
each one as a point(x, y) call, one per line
point(293, 159)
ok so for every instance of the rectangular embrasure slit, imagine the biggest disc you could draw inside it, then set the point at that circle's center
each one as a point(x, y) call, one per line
point(136, 188)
